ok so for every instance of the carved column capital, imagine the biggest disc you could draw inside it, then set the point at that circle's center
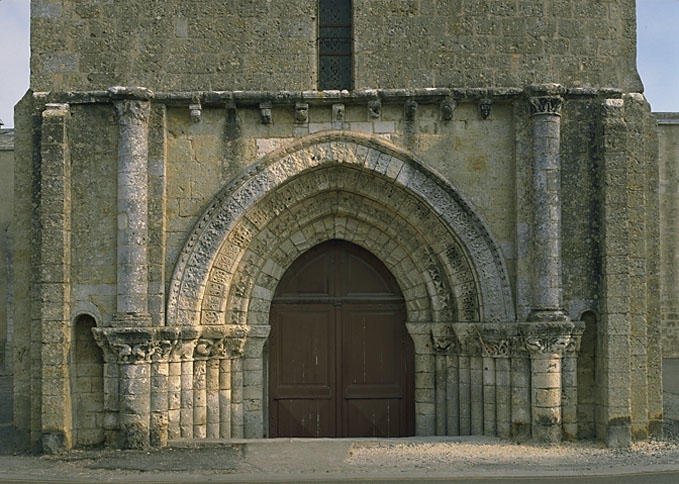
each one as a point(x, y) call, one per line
point(545, 105)
point(575, 339)
point(129, 111)
point(495, 342)
point(165, 341)
point(126, 345)
point(545, 98)
point(444, 339)
point(226, 341)
point(547, 338)
point(186, 343)
point(203, 348)
point(131, 103)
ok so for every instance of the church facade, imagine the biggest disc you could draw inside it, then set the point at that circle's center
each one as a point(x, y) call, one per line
point(252, 219)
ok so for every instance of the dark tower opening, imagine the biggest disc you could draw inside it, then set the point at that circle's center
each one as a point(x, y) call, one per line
point(334, 44)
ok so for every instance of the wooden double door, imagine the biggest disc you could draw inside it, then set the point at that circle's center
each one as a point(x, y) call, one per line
point(340, 358)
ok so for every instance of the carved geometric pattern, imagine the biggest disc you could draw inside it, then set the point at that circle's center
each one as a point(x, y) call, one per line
point(450, 269)
point(545, 105)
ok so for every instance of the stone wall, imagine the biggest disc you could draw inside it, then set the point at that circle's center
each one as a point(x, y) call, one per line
point(668, 163)
point(6, 288)
point(440, 184)
point(259, 44)
point(6, 207)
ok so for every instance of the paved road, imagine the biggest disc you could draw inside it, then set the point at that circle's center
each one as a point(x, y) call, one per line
point(651, 478)
point(475, 460)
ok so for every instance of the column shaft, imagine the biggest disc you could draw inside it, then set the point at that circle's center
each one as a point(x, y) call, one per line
point(186, 410)
point(212, 401)
point(546, 396)
point(225, 398)
point(547, 289)
point(489, 384)
point(199, 399)
point(159, 403)
point(440, 390)
point(453, 396)
point(503, 397)
point(521, 418)
point(569, 396)
point(132, 113)
point(476, 384)
point(135, 404)
point(465, 395)
point(237, 423)
point(174, 392)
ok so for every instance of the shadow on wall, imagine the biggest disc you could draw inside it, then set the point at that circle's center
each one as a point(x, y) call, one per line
point(87, 384)
point(670, 372)
point(587, 377)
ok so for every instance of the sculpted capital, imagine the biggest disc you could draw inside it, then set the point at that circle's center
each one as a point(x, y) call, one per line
point(444, 339)
point(546, 105)
point(546, 338)
point(130, 111)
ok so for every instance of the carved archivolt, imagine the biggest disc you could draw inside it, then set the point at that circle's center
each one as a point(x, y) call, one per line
point(346, 186)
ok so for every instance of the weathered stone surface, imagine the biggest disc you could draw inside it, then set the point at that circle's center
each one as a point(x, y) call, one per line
point(168, 213)
point(590, 44)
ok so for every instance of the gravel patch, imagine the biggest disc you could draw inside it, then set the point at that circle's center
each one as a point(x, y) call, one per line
point(341, 458)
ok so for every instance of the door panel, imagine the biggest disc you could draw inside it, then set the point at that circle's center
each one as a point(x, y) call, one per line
point(373, 418)
point(305, 418)
point(340, 358)
point(302, 370)
point(305, 343)
point(371, 344)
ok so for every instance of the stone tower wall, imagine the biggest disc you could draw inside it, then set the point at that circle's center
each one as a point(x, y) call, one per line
point(265, 45)
point(6, 207)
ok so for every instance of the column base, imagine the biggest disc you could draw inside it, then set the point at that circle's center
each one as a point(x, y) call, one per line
point(548, 434)
point(55, 442)
point(158, 431)
point(135, 430)
point(619, 433)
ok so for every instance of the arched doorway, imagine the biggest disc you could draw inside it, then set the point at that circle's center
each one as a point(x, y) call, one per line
point(340, 359)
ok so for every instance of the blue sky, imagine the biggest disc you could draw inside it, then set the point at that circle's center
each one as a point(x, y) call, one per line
point(657, 53)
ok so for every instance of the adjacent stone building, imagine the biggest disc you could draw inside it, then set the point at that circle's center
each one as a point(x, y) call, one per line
point(335, 219)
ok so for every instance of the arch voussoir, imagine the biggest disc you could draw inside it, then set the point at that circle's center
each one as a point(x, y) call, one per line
point(335, 186)
point(244, 209)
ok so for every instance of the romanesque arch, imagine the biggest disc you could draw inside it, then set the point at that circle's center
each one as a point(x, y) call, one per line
point(235, 227)
point(332, 186)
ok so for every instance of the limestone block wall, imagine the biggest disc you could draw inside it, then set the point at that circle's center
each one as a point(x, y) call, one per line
point(264, 45)
point(6, 207)
point(668, 163)
point(443, 185)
